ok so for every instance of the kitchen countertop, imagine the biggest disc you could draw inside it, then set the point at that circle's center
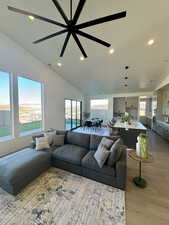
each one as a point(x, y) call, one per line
point(134, 125)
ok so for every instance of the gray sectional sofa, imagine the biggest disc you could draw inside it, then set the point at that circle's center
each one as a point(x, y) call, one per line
point(76, 156)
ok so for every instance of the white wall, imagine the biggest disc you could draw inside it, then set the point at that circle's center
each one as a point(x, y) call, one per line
point(166, 80)
point(15, 59)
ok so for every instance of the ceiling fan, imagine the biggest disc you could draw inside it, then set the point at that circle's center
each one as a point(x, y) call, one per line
point(71, 27)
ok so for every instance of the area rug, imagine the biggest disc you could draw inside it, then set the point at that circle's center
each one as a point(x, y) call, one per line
point(58, 197)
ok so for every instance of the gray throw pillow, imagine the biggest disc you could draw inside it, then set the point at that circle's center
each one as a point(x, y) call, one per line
point(101, 155)
point(58, 140)
point(50, 136)
point(115, 152)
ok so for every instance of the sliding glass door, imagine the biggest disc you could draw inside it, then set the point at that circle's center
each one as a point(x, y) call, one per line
point(79, 122)
point(73, 114)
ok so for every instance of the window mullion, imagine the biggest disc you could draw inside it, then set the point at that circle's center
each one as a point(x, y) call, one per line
point(14, 105)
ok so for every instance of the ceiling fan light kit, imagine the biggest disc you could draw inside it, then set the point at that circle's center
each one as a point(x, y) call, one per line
point(71, 27)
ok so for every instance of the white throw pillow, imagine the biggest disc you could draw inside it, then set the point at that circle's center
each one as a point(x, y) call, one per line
point(106, 142)
point(42, 143)
point(50, 137)
point(101, 155)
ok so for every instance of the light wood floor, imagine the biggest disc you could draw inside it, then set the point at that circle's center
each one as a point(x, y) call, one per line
point(150, 206)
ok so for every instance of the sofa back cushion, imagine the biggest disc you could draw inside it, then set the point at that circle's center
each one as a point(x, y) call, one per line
point(61, 132)
point(95, 141)
point(79, 139)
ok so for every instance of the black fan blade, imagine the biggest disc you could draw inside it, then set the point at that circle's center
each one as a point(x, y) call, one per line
point(102, 20)
point(65, 44)
point(78, 11)
point(79, 45)
point(36, 16)
point(59, 8)
point(90, 37)
point(50, 36)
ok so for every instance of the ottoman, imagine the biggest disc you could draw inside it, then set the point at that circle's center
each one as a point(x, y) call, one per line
point(20, 168)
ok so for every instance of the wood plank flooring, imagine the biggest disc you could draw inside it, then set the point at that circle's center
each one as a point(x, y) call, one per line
point(150, 206)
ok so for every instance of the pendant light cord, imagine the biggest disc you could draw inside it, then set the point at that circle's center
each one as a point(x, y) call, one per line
point(70, 9)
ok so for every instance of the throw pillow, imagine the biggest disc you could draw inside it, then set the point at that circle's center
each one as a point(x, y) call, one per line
point(50, 137)
point(37, 136)
point(42, 143)
point(101, 155)
point(106, 142)
point(58, 140)
point(115, 153)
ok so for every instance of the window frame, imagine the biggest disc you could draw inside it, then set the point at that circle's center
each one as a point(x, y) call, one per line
point(71, 100)
point(11, 136)
point(14, 106)
point(25, 133)
point(143, 100)
point(106, 110)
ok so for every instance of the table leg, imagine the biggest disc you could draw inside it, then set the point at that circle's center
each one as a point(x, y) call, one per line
point(139, 181)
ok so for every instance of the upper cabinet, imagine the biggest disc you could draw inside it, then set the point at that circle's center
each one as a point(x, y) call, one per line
point(123, 104)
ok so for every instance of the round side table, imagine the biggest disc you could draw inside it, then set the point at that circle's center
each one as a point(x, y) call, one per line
point(139, 181)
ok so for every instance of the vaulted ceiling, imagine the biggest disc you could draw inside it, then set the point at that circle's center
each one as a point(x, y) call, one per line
point(100, 73)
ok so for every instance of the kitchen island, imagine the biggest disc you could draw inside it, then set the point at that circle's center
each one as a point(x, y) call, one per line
point(134, 125)
point(130, 132)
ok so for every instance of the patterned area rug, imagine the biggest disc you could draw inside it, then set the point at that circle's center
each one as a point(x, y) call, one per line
point(58, 197)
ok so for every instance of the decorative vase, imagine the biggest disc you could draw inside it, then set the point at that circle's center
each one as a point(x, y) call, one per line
point(142, 146)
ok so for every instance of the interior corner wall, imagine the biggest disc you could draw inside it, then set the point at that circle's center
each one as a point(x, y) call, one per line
point(15, 59)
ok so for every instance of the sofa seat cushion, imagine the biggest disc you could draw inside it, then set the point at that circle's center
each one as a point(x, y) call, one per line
point(70, 153)
point(89, 162)
point(21, 166)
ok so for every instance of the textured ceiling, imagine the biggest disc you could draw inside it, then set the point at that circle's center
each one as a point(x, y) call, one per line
point(100, 73)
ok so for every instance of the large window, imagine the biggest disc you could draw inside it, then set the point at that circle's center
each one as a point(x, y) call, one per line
point(20, 106)
point(99, 108)
point(143, 106)
point(73, 114)
point(30, 105)
point(5, 106)
point(154, 106)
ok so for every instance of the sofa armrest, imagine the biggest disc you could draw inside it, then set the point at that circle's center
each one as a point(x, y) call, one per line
point(121, 170)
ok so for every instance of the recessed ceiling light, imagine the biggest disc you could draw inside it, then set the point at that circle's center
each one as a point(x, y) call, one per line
point(59, 64)
point(151, 42)
point(111, 51)
point(82, 58)
point(31, 18)
point(127, 67)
